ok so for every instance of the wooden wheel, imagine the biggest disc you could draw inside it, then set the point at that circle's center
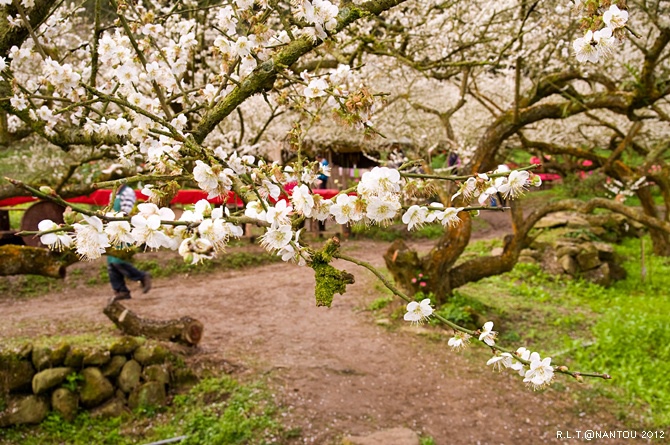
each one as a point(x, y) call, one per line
point(37, 212)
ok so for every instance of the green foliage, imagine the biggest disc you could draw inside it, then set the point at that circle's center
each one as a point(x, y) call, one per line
point(221, 411)
point(72, 381)
point(25, 286)
point(380, 303)
point(460, 309)
point(426, 440)
point(216, 411)
point(54, 430)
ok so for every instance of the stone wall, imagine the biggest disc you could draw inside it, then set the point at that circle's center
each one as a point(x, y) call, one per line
point(109, 380)
point(581, 245)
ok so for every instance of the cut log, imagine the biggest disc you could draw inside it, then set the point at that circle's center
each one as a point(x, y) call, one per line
point(26, 260)
point(185, 330)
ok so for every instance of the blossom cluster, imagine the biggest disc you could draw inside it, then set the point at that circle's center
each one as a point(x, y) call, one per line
point(539, 373)
point(147, 70)
point(600, 44)
point(352, 102)
point(483, 188)
point(198, 234)
point(621, 191)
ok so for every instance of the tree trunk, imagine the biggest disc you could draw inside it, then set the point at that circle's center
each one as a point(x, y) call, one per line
point(185, 330)
point(404, 264)
point(660, 239)
point(438, 263)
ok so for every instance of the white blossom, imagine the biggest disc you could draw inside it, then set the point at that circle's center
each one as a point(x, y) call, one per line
point(615, 18)
point(90, 238)
point(488, 335)
point(58, 241)
point(418, 312)
point(277, 237)
point(459, 341)
point(501, 361)
point(346, 209)
point(541, 373)
point(303, 201)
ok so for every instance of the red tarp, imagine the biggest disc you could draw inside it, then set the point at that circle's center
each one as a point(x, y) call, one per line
point(101, 198)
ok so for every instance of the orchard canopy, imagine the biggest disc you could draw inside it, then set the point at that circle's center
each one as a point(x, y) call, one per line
point(214, 94)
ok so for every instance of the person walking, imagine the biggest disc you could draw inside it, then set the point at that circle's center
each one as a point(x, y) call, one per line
point(322, 178)
point(117, 268)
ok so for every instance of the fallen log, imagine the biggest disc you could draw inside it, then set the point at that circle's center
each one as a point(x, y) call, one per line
point(26, 260)
point(185, 330)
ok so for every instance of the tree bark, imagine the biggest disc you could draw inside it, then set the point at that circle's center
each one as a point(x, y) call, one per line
point(660, 239)
point(185, 330)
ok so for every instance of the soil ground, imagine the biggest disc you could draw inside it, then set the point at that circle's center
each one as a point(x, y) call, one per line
point(336, 371)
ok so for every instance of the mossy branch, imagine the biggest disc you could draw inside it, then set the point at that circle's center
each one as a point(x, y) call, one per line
point(329, 280)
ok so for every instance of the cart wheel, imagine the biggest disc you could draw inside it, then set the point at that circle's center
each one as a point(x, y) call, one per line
point(36, 213)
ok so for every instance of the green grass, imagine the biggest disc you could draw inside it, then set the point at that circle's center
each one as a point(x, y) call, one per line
point(218, 410)
point(101, 337)
point(621, 330)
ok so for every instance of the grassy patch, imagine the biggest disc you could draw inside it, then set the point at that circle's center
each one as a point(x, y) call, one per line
point(230, 260)
point(621, 330)
point(217, 411)
point(164, 264)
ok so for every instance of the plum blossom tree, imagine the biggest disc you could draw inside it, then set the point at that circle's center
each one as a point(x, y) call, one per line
point(187, 92)
point(516, 81)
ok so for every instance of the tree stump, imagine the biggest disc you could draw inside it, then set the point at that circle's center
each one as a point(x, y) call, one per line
point(185, 330)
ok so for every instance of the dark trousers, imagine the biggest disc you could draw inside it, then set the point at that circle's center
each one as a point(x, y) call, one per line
point(118, 272)
point(322, 185)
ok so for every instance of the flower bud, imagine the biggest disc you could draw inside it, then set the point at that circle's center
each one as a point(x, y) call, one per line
point(47, 190)
point(69, 217)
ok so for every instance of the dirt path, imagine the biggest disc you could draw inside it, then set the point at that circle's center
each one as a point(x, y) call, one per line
point(336, 370)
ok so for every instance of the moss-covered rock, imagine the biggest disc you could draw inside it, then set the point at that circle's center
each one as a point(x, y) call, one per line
point(22, 410)
point(75, 356)
point(113, 368)
point(49, 378)
point(95, 389)
point(50, 356)
point(184, 378)
point(16, 374)
point(112, 408)
point(150, 394)
point(129, 378)
point(97, 357)
point(65, 403)
point(126, 345)
point(151, 354)
point(157, 373)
